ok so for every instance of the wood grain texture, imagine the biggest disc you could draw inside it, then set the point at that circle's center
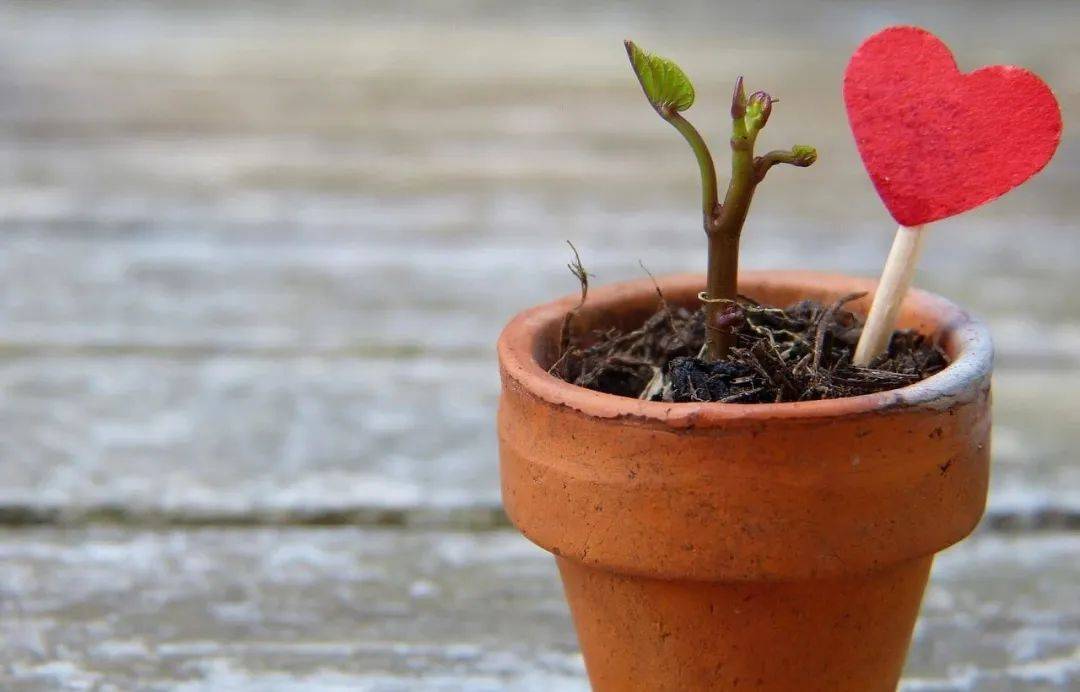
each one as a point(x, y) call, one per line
point(228, 279)
point(253, 261)
point(346, 608)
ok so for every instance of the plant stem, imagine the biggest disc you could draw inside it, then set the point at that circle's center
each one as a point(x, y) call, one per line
point(724, 233)
point(704, 159)
point(723, 224)
point(723, 275)
point(669, 91)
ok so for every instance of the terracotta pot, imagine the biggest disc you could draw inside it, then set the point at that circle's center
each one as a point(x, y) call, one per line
point(744, 546)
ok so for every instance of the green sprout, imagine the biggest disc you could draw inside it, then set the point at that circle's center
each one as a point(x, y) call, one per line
point(670, 92)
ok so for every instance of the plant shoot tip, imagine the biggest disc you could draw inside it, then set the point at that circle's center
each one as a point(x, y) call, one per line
point(804, 154)
point(758, 109)
point(738, 100)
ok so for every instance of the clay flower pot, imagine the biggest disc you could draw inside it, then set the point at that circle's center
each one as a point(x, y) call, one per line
point(744, 546)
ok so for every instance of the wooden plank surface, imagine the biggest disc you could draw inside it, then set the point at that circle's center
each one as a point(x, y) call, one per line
point(319, 609)
point(254, 439)
point(253, 260)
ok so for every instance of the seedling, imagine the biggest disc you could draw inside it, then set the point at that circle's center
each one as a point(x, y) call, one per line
point(670, 92)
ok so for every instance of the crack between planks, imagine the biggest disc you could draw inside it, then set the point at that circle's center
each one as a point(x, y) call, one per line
point(469, 518)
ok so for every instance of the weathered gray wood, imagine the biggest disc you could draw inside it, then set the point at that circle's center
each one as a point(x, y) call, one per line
point(396, 610)
point(254, 261)
point(195, 184)
point(243, 437)
point(382, 290)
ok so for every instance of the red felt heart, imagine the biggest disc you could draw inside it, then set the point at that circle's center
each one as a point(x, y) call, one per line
point(937, 142)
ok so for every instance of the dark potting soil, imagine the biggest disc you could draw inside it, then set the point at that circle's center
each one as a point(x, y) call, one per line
point(799, 353)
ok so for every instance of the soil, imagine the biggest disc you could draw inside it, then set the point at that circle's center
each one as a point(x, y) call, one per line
point(799, 353)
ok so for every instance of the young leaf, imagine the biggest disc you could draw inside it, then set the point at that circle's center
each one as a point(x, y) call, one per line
point(804, 155)
point(665, 85)
point(758, 108)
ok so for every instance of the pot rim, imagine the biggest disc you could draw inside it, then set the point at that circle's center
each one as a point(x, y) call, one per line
point(965, 338)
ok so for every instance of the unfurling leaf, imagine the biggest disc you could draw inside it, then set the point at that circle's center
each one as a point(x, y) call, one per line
point(804, 155)
point(665, 84)
point(758, 108)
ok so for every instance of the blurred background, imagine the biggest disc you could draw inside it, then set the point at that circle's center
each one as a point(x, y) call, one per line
point(254, 257)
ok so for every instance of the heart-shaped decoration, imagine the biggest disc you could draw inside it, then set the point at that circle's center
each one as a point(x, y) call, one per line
point(937, 142)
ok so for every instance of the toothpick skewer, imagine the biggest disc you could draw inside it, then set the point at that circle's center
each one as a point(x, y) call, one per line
point(895, 281)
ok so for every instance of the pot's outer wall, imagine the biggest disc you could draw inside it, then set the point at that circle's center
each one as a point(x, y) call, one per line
point(830, 635)
point(750, 492)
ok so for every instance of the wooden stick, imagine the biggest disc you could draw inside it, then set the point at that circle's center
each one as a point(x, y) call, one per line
point(894, 284)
